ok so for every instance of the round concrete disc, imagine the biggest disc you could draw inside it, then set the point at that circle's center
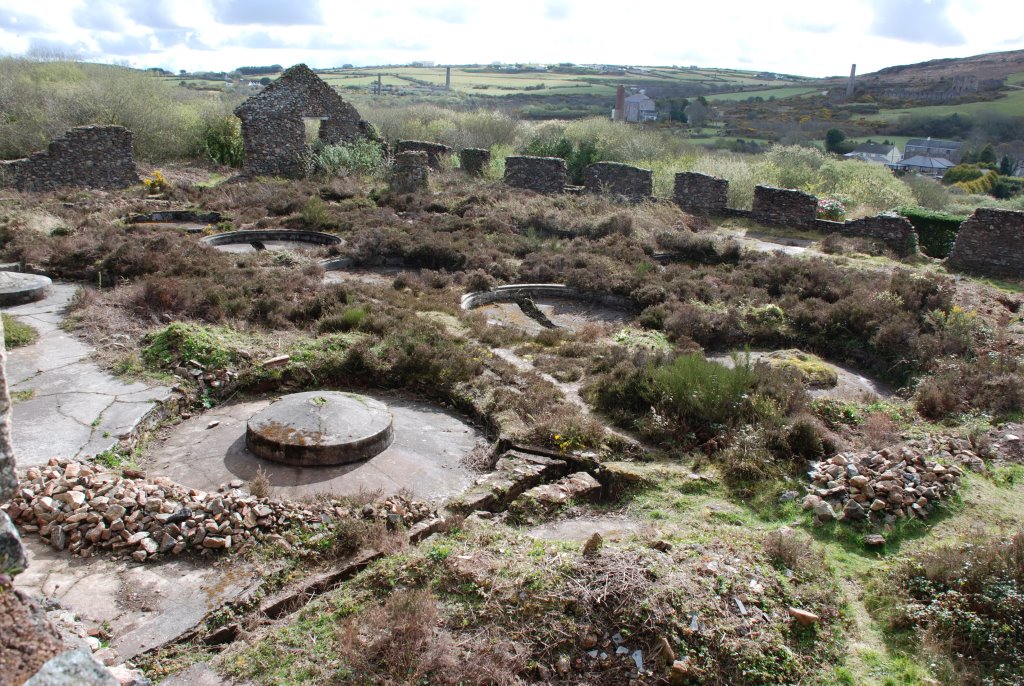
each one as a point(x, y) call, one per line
point(17, 288)
point(320, 428)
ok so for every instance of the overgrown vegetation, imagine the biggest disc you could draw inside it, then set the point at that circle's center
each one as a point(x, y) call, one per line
point(964, 605)
point(16, 333)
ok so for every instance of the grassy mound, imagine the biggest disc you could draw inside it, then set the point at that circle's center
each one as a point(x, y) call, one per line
point(813, 371)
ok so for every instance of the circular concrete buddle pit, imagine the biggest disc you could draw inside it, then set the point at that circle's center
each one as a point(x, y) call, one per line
point(17, 288)
point(319, 429)
point(255, 240)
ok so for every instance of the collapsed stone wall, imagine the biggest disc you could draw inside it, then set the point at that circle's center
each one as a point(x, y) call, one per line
point(541, 174)
point(896, 232)
point(475, 161)
point(701, 194)
point(435, 151)
point(410, 172)
point(274, 129)
point(82, 509)
point(784, 206)
point(990, 242)
point(633, 183)
point(85, 156)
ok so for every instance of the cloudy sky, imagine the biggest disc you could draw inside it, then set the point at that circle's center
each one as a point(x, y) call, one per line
point(809, 37)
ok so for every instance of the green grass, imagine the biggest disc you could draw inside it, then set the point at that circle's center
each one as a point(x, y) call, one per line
point(777, 93)
point(17, 334)
point(483, 81)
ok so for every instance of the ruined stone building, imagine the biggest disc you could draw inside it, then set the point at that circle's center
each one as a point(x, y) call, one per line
point(84, 157)
point(274, 123)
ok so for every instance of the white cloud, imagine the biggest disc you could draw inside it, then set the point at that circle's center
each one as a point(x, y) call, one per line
point(808, 37)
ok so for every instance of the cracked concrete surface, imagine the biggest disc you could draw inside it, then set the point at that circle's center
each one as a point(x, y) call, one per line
point(426, 456)
point(65, 405)
point(142, 606)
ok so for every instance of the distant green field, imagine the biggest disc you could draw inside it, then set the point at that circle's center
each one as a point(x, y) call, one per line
point(483, 81)
point(777, 93)
point(1012, 104)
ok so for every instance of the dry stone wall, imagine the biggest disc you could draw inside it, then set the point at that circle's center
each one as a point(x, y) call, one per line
point(990, 242)
point(86, 157)
point(632, 183)
point(896, 232)
point(784, 206)
point(541, 174)
point(274, 129)
point(475, 161)
point(410, 172)
point(700, 193)
point(435, 151)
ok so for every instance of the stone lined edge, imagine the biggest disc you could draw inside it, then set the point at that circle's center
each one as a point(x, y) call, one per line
point(294, 235)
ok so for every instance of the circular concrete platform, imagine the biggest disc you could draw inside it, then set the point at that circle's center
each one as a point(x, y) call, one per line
point(319, 429)
point(253, 240)
point(17, 288)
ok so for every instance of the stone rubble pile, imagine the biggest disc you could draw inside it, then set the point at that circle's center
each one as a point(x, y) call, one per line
point(82, 509)
point(879, 486)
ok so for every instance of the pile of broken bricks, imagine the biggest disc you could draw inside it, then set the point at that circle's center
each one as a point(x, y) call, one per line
point(880, 487)
point(84, 509)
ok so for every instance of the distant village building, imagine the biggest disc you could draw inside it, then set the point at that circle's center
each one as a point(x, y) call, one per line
point(933, 147)
point(424, 63)
point(879, 153)
point(640, 108)
point(925, 165)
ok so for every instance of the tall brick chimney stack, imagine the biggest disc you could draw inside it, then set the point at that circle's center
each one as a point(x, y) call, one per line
point(620, 103)
point(852, 83)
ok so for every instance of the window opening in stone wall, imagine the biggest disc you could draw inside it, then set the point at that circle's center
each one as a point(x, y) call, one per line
point(313, 129)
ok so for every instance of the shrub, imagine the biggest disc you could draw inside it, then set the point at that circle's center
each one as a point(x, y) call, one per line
point(993, 382)
point(831, 209)
point(790, 549)
point(316, 213)
point(577, 154)
point(259, 484)
point(177, 343)
point(687, 399)
point(804, 437)
point(156, 183)
point(222, 141)
point(348, 319)
point(364, 157)
point(936, 231)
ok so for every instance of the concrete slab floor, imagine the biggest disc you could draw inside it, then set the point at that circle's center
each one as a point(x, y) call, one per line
point(65, 404)
point(567, 314)
point(425, 458)
point(142, 606)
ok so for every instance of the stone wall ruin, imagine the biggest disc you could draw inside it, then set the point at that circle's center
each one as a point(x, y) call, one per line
point(85, 157)
point(701, 194)
point(541, 174)
point(990, 242)
point(784, 206)
point(633, 183)
point(410, 172)
point(896, 232)
point(436, 153)
point(274, 129)
point(474, 161)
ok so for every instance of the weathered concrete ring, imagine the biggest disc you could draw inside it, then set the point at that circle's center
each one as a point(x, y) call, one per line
point(17, 288)
point(319, 429)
